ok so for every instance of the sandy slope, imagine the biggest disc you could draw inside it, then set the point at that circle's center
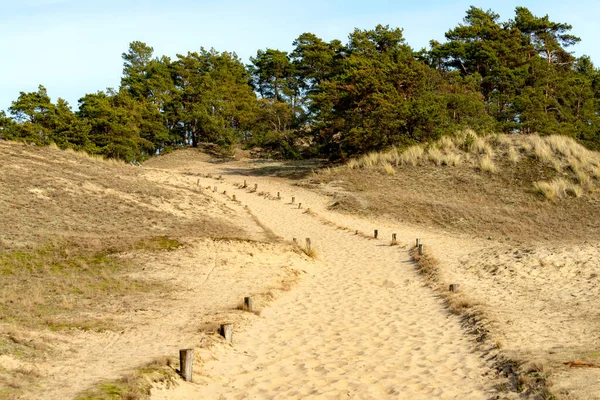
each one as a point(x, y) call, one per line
point(362, 326)
point(223, 248)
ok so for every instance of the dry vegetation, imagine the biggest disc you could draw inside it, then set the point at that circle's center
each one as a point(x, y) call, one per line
point(577, 168)
point(513, 187)
point(67, 219)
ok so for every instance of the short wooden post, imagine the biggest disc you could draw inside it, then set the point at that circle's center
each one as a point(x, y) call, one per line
point(226, 331)
point(245, 184)
point(394, 242)
point(418, 243)
point(256, 186)
point(278, 195)
point(248, 304)
point(454, 287)
point(308, 244)
point(356, 233)
point(186, 360)
point(420, 249)
point(198, 182)
point(234, 198)
point(375, 233)
point(225, 192)
point(299, 205)
point(293, 200)
point(295, 241)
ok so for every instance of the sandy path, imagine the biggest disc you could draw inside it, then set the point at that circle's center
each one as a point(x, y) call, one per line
point(363, 326)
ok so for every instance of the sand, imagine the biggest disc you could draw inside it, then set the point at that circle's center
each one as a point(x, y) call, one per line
point(363, 325)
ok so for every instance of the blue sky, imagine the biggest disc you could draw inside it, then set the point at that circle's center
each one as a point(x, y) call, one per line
point(74, 47)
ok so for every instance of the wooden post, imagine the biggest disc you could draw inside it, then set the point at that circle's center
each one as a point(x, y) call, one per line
point(225, 192)
point(198, 182)
point(248, 304)
point(375, 233)
point(278, 195)
point(308, 245)
point(256, 186)
point(299, 205)
point(418, 243)
point(245, 184)
point(420, 249)
point(454, 287)
point(356, 233)
point(226, 331)
point(394, 242)
point(234, 198)
point(295, 241)
point(293, 200)
point(186, 360)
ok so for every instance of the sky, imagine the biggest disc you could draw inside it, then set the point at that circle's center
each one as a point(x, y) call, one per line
point(74, 47)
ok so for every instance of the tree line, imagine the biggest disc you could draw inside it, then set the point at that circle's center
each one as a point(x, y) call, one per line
point(332, 99)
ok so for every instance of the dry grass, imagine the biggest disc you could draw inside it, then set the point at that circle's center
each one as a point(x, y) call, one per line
point(427, 264)
point(389, 169)
point(557, 189)
point(486, 164)
point(560, 153)
point(513, 155)
point(412, 155)
point(52, 282)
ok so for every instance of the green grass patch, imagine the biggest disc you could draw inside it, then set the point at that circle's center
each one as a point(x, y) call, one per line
point(136, 386)
point(158, 243)
point(51, 285)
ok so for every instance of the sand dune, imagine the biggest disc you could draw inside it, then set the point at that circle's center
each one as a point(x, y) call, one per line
point(363, 325)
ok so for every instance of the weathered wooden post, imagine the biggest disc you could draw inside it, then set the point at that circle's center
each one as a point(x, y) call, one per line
point(394, 242)
point(420, 249)
point(186, 360)
point(198, 182)
point(226, 331)
point(245, 184)
point(299, 205)
point(278, 196)
point(375, 233)
point(454, 287)
point(308, 244)
point(255, 186)
point(248, 304)
point(293, 200)
point(234, 199)
point(225, 192)
point(418, 243)
point(295, 241)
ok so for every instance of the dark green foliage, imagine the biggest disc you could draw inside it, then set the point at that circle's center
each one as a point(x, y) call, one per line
point(332, 99)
